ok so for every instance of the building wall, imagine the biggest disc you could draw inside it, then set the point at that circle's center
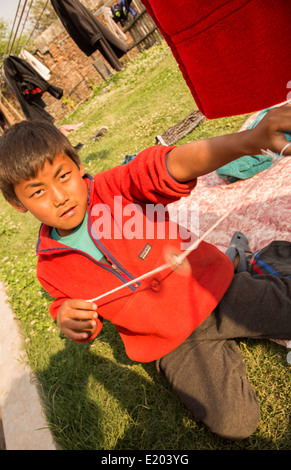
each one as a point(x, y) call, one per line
point(70, 68)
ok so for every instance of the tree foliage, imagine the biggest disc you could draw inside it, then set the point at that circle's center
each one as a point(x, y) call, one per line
point(41, 16)
point(4, 36)
point(9, 41)
point(37, 17)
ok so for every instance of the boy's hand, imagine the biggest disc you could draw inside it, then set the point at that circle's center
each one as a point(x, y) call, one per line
point(194, 159)
point(76, 319)
point(269, 132)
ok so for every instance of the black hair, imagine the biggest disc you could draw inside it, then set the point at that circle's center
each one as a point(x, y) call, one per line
point(25, 148)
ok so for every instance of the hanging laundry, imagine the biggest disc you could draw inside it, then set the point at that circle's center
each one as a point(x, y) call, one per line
point(88, 32)
point(234, 55)
point(28, 87)
point(107, 13)
point(41, 69)
point(120, 11)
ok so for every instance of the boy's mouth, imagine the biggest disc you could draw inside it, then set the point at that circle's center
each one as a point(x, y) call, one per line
point(69, 212)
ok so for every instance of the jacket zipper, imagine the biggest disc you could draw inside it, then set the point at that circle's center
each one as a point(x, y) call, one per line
point(117, 270)
point(111, 264)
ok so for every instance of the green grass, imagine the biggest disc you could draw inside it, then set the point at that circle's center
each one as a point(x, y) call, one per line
point(94, 396)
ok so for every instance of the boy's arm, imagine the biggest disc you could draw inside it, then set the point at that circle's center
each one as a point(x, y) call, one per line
point(195, 159)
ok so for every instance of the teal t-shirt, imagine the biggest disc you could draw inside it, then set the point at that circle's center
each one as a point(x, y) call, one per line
point(81, 240)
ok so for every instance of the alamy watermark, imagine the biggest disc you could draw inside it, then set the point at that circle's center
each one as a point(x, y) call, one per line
point(146, 221)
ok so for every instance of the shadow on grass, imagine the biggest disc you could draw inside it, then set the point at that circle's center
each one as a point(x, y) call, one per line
point(100, 401)
point(94, 156)
point(95, 402)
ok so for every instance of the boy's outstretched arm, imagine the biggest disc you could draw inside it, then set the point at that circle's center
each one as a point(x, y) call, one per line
point(198, 158)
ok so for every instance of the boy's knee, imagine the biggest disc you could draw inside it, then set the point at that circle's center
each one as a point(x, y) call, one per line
point(236, 424)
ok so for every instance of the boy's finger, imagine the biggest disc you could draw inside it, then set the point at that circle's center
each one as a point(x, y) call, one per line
point(77, 336)
point(83, 315)
point(73, 327)
point(286, 150)
point(82, 304)
point(82, 325)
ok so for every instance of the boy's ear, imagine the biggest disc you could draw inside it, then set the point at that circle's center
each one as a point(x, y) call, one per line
point(18, 207)
point(81, 169)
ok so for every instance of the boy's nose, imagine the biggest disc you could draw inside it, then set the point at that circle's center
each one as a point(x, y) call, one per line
point(59, 196)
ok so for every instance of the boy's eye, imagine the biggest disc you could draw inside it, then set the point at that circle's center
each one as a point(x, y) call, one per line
point(37, 193)
point(64, 175)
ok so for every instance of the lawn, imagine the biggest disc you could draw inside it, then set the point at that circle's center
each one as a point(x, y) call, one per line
point(94, 396)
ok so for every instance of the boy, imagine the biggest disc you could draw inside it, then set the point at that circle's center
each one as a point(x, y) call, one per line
point(184, 323)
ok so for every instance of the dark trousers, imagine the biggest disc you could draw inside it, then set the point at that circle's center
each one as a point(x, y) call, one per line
point(207, 370)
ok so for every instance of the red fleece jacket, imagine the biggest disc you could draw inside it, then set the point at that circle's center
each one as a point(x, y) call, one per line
point(234, 54)
point(156, 315)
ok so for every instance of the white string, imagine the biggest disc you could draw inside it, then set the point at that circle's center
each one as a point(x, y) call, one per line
point(284, 148)
point(179, 259)
point(133, 281)
point(249, 189)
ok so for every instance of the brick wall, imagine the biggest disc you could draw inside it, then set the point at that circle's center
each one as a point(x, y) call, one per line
point(70, 68)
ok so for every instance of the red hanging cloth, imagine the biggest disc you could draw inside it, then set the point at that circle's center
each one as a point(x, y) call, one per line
point(234, 55)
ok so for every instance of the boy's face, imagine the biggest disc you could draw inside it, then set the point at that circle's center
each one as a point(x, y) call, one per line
point(57, 196)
